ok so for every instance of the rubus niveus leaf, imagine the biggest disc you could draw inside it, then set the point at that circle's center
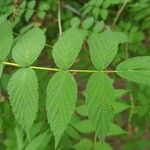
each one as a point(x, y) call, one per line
point(60, 102)
point(100, 98)
point(29, 47)
point(6, 38)
point(67, 48)
point(103, 48)
point(135, 69)
point(23, 92)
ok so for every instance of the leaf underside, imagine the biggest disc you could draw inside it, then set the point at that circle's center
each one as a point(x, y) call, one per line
point(60, 102)
point(23, 93)
point(99, 101)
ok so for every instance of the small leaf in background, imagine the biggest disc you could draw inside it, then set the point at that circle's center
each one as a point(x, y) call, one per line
point(102, 146)
point(60, 102)
point(121, 106)
point(82, 110)
point(116, 130)
point(67, 48)
point(28, 14)
point(41, 14)
point(35, 129)
point(73, 133)
point(6, 38)
point(30, 9)
point(29, 47)
point(135, 69)
point(44, 7)
point(31, 4)
point(75, 22)
point(96, 12)
point(98, 27)
point(120, 92)
point(39, 142)
point(23, 93)
point(84, 144)
point(104, 13)
point(87, 23)
point(100, 98)
point(84, 126)
point(103, 48)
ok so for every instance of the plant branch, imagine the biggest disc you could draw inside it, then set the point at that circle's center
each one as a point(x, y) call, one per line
point(57, 69)
point(59, 18)
point(119, 12)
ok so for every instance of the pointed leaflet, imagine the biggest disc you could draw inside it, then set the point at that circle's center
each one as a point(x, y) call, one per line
point(23, 92)
point(60, 102)
point(67, 48)
point(99, 100)
point(103, 48)
point(6, 38)
point(135, 69)
point(29, 47)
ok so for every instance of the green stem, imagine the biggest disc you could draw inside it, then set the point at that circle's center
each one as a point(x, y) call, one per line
point(59, 18)
point(132, 108)
point(57, 69)
point(119, 12)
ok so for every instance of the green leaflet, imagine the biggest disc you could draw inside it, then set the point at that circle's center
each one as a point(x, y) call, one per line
point(60, 102)
point(40, 142)
point(23, 92)
point(135, 69)
point(116, 130)
point(6, 38)
point(100, 98)
point(87, 23)
point(1, 69)
point(67, 48)
point(84, 126)
point(103, 48)
point(29, 47)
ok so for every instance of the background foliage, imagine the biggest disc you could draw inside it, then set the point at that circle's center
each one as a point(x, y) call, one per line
point(104, 45)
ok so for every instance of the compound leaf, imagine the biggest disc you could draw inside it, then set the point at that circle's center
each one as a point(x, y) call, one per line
point(100, 98)
point(135, 69)
point(67, 48)
point(60, 103)
point(6, 38)
point(29, 47)
point(23, 92)
point(103, 48)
